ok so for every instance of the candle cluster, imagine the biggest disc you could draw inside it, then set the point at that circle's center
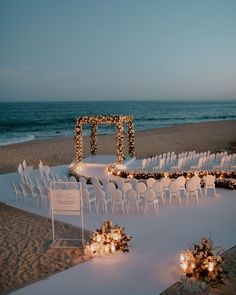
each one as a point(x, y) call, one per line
point(108, 239)
point(202, 263)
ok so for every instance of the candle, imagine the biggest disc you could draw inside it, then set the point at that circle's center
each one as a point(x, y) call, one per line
point(99, 238)
point(182, 257)
point(211, 266)
point(93, 248)
point(113, 249)
point(106, 249)
point(184, 266)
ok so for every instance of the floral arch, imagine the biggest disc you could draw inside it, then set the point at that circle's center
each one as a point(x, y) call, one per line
point(119, 121)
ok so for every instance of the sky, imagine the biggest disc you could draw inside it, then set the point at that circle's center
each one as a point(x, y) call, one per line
point(117, 50)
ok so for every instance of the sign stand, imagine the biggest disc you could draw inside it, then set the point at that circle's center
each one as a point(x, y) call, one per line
point(66, 199)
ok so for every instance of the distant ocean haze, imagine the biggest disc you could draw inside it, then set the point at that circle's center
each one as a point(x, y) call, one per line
point(24, 121)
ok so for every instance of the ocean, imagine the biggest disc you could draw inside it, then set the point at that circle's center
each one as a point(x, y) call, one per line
point(24, 121)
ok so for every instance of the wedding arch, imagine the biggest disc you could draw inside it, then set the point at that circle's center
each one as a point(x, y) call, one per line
point(119, 121)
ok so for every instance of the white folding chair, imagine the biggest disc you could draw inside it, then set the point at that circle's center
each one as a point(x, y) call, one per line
point(210, 184)
point(174, 191)
point(132, 199)
point(116, 200)
point(149, 199)
point(158, 189)
point(150, 181)
point(191, 188)
point(87, 199)
point(140, 188)
point(101, 199)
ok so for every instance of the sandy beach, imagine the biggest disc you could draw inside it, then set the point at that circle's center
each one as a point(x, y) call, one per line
point(213, 136)
point(26, 255)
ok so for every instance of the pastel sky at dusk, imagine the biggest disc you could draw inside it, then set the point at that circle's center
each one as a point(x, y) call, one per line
point(123, 49)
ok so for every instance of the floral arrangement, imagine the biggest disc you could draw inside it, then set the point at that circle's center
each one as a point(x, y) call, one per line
point(202, 263)
point(107, 239)
point(223, 179)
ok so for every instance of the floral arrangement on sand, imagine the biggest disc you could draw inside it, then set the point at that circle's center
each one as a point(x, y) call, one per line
point(203, 263)
point(107, 239)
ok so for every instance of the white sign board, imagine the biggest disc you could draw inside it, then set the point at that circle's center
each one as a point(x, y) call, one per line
point(65, 202)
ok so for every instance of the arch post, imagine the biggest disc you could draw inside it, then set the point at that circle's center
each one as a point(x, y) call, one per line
point(131, 139)
point(93, 139)
point(78, 143)
point(119, 143)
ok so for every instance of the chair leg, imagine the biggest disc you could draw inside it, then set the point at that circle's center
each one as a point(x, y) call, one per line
point(105, 204)
point(200, 190)
point(155, 207)
point(179, 196)
point(215, 192)
point(137, 207)
point(122, 208)
point(197, 197)
point(128, 208)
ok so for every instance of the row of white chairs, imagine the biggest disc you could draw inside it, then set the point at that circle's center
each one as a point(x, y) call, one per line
point(152, 192)
point(33, 189)
point(190, 161)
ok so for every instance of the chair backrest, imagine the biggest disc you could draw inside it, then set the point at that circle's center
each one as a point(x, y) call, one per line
point(132, 195)
point(141, 187)
point(28, 189)
point(82, 180)
point(165, 181)
point(197, 179)
point(157, 187)
point(133, 182)
point(20, 169)
point(149, 194)
point(181, 180)
point(100, 195)
point(24, 164)
point(191, 185)
point(173, 186)
point(120, 182)
point(126, 187)
point(72, 179)
point(116, 195)
point(144, 163)
point(110, 187)
point(40, 165)
point(104, 181)
point(94, 180)
point(150, 181)
point(210, 180)
point(85, 194)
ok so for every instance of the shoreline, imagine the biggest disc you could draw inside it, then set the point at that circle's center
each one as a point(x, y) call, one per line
point(212, 135)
